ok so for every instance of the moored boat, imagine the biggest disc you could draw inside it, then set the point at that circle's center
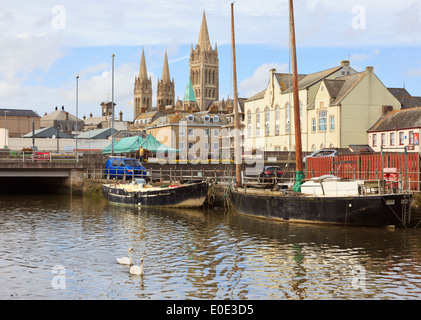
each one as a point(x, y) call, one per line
point(181, 195)
point(347, 210)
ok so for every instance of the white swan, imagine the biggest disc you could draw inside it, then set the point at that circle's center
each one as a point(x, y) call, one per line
point(137, 270)
point(126, 260)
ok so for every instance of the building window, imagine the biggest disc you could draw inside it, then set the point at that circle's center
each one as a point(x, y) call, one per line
point(277, 115)
point(401, 138)
point(181, 131)
point(392, 139)
point(257, 123)
point(191, 145)
point(267, 119)
point(383, 139)
point(374, 140)
point(191, 132)
point(332, 123)
point(249, 124)
point(215, 146)
point(411, 137)
point(287, 117)
point(181, 145)
point(215, 132)
point(313, 126)
point(206, 146)
point(322, 120)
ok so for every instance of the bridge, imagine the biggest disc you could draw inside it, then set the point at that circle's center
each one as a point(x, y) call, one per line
point(63, 175)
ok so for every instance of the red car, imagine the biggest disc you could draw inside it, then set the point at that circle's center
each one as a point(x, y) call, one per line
point(271, 174)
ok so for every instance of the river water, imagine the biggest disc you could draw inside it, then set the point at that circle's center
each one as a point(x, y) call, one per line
point(62, 247)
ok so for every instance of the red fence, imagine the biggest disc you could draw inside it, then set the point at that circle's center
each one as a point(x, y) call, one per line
point(368, 167)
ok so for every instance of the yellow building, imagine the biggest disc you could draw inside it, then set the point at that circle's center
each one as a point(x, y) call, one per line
point(337, 107)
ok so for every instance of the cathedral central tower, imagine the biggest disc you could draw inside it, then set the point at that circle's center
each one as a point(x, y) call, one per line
point(204, 69)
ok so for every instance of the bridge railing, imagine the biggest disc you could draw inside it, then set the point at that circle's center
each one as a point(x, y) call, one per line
point(43, 157)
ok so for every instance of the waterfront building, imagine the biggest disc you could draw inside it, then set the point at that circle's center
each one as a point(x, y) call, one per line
point(337, 107)
point(16, 122)
point(395, 130)
point(62, 120)
point(196, 134)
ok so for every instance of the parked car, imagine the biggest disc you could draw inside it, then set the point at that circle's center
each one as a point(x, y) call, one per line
point(271, 174)
point(322, 153)
point(124, 167)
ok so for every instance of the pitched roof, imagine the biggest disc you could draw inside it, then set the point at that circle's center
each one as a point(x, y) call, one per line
point(313, 78)
point(346, 84)
point(405, 98)
point(18, 113)
point(60, 115)
point(398, 119)
point(97, 134)
point(48, 132)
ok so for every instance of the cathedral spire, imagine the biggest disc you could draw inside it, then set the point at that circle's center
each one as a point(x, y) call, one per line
point(143, 73)
point(166, 70)
point(204, 42)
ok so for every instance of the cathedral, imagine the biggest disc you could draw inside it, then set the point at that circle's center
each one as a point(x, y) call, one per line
point(203, 73)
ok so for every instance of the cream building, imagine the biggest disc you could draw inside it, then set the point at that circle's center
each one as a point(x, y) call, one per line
point(396, 130)
point(337, 107)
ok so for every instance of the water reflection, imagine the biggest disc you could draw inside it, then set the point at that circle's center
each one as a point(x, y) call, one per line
point(195, 254)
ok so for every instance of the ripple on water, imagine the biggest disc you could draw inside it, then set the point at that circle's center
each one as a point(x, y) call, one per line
point(195, 255)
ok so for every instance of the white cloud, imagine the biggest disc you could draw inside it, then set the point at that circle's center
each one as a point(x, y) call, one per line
point(259, 80)
point(413, 73)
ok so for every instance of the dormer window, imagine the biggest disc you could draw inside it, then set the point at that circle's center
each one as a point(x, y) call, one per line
point(190, 118)
point(206, 118)
point(215, 118)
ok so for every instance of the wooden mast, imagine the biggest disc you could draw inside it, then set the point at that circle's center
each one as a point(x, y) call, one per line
point(237, 150)
point(297, 122)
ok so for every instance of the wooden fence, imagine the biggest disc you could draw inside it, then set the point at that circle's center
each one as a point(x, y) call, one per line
point(370, 167)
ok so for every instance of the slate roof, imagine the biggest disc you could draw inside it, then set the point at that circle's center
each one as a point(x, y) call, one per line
point(97, 134)
point(48, 132)
point(398, 120)
point(18, 113)
point(344, 85)
point(405, 98)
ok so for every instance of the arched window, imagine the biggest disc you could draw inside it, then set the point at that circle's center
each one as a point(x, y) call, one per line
point(249, 124)
point(257, 123)
point(277, 120)
point(287, 117)
point(267, 121)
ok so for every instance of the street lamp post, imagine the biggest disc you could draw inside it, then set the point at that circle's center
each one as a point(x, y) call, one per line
point(77, 102)
point(112, 105)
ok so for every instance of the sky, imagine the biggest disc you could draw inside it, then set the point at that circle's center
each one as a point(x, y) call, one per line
point(46, 44)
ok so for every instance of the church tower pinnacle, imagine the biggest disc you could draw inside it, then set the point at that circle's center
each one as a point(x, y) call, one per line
point(142, 90)
point(165, 91)
point(204, 69)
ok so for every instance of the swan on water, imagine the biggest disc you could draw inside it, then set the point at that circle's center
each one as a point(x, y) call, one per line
point(137, 270)
point(126, 260)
